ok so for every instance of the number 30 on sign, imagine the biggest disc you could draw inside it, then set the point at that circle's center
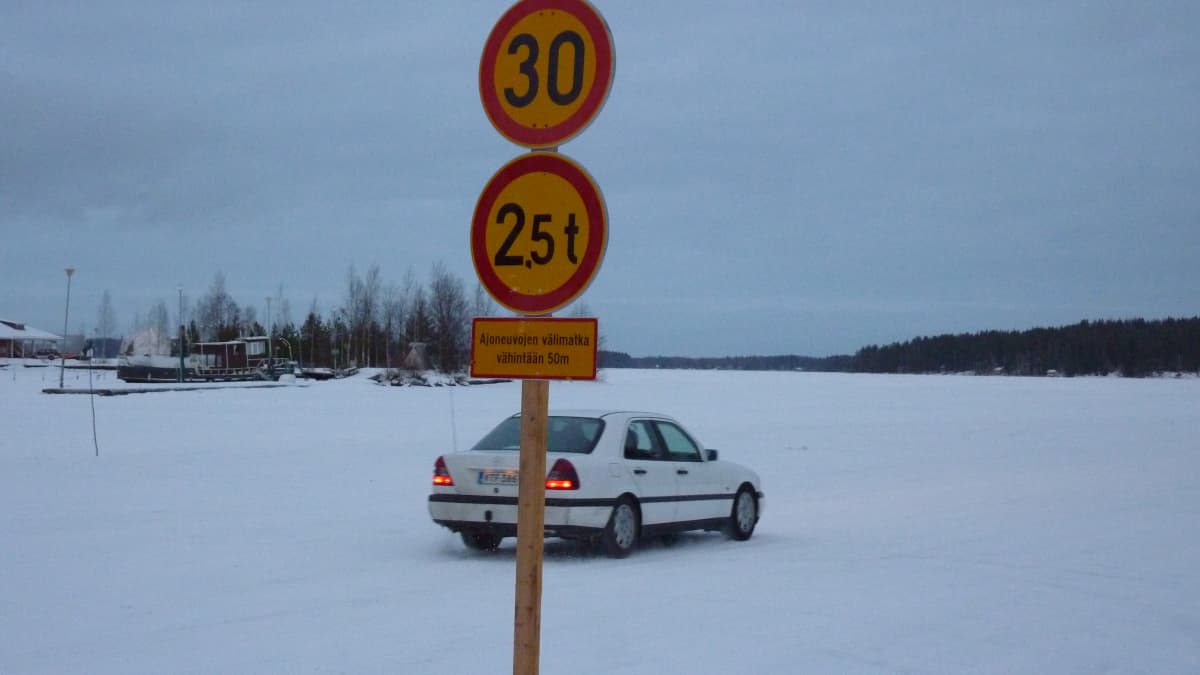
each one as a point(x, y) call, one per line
point(546, 70)
point(539, 233)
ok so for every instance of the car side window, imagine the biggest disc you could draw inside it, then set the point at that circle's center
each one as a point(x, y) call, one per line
point(640, 442)
point(680, 446)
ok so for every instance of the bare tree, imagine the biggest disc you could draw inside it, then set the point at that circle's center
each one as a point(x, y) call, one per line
point(352, 301)
point(360, 308)
point(395, 304)
point(450, 315)
point(482, 303)
point(249, 324)
point(372, 288)
point(417, 325)
point(581, 310)
point(106, 325)
point(217, 314)
point(160, 319)
point(282, 310)
point(106, 318)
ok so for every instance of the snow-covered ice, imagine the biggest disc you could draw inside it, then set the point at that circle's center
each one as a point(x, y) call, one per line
point(913, 525)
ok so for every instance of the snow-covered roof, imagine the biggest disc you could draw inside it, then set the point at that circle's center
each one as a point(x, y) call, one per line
point(14, 330)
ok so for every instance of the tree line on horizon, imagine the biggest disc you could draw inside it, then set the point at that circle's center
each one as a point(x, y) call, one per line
point(376, 324)
point(1131, 348)
point(611, 359)
point(1128, 347)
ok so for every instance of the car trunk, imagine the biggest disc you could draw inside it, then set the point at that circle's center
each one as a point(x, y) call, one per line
point(482, 472)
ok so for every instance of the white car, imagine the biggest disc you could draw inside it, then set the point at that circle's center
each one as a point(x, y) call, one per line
point(614, 476)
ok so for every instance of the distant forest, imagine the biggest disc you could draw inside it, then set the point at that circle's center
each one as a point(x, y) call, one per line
point(377, 324)
point(1132, 348)
point(788, 362)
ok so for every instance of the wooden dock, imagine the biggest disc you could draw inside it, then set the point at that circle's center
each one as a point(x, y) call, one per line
point(122, 391)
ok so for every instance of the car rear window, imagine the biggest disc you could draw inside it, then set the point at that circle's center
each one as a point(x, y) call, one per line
point(564, 434)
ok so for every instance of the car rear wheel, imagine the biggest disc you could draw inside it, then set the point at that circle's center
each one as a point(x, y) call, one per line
point(621, 533)
point(744, 515)
point(481, 541)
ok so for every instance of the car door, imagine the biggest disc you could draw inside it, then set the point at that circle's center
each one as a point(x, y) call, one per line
point(652, 472)
point(699, 489)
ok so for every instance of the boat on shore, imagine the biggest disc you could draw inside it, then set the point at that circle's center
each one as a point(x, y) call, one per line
point(149, 356)
point(326, 373)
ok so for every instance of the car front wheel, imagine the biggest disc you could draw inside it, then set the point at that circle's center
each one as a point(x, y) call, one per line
point(744, 515)
point(621, 533)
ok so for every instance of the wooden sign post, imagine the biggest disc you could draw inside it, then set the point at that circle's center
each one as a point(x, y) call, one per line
point(538, 236)
point(531, 518)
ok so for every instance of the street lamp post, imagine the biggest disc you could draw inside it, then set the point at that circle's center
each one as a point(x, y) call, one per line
point(179, 288)
point(62, 364)
point(270, 362)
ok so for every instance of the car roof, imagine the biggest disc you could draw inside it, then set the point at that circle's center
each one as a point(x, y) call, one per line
point(605, 413)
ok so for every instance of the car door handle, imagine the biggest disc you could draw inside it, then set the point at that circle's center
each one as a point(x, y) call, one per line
point(681, 472)
point(640, 472)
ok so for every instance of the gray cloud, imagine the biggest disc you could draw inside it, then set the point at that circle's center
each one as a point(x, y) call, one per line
point(789, 177)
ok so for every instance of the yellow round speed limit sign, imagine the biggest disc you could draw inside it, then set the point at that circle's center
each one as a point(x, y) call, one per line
point(546, 70)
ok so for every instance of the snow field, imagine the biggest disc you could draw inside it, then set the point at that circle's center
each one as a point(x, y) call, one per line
point(913, 524)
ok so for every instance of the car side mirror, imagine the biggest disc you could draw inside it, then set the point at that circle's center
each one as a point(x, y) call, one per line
point(711, 455)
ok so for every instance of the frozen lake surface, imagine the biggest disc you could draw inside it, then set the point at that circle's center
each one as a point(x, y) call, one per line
point(913, 525)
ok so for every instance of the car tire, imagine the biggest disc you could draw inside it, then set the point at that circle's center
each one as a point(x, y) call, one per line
point(621, 533)
point(743, 516)
point(481, 541)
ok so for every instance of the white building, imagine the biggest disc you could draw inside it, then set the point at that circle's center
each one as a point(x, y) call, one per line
point(18, 340)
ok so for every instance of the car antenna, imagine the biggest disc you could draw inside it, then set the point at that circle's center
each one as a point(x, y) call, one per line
point(92, 400)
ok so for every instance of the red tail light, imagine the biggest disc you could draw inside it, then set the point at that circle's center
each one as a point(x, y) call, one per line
point(562, 476)
point(441, 475)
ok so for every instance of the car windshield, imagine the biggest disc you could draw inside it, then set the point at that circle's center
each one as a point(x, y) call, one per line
point(565, 434)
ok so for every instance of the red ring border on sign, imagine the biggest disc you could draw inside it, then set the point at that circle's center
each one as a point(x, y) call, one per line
point(558, 134)
point(597, 214)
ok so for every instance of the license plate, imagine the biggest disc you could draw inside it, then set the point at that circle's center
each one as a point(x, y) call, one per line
point(498, 477)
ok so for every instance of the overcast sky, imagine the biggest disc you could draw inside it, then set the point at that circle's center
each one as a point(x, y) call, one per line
point(781, 177)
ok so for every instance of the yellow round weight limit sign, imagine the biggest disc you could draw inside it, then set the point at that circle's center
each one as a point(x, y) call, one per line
point(539, 233)
point(546, 71)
